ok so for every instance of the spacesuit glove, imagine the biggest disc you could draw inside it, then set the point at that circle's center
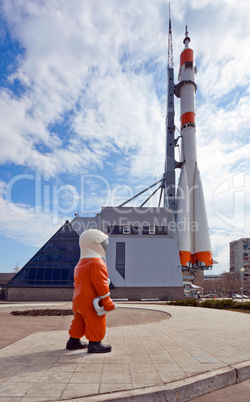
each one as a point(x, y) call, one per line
point(108, 304)
point(100, 309)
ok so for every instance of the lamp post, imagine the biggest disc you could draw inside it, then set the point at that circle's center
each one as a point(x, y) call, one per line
point(242, 282)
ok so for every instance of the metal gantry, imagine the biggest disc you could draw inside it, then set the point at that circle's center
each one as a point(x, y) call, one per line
point(167, 181)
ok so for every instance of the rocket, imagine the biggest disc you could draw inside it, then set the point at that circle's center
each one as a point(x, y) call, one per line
point(191, 218)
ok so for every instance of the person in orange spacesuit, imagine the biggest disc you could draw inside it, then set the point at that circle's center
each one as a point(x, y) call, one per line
point(91, 298)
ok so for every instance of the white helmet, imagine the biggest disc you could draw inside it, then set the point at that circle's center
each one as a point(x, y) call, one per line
point(91, 243)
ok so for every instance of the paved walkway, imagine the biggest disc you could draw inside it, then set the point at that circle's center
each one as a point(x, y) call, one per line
point(18, 327)
point(177, 359)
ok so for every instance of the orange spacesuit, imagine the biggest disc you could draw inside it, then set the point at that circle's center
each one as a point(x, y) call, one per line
point(91, 284)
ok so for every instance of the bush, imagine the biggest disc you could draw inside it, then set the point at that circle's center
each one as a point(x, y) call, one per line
point(185, 302)
point(242, 306)
point(219, 304)
point(225, 304)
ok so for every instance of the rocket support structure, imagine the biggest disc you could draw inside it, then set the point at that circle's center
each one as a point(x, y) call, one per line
point(170, 163)
point(188, 205)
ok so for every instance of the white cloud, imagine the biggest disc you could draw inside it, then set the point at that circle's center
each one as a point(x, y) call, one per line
point(59, 56)
point(22, 223)
point(123, 111)
point(57, 71)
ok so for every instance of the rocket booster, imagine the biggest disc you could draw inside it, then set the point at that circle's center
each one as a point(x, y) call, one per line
point(192, 225)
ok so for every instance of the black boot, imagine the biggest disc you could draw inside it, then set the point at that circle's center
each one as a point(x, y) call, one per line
point(74, 343)
point(98, 347)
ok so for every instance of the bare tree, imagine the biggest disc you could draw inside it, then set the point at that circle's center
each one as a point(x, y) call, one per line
point(231, 282)
point(225, 284)
point(247, 285)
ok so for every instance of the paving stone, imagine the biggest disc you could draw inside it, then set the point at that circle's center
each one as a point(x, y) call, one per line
point(146, 378)
point(47, 390)
point(66, 367)
point(114, 368)
point(8, 389)
point(90, 368)
point(56, 377)
point(116, 378)
point(75, 391)
point(27, 377)
point(115, 387)
point(11, 367)
point(142, 368)
point(86, 378)
point(32, 399)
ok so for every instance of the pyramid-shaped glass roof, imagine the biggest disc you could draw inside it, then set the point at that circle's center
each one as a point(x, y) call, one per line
point(53, 265)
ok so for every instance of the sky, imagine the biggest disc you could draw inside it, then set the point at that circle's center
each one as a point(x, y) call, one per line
point(83, 104)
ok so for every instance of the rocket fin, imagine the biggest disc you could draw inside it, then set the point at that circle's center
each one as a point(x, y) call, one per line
point(183, 218)
point(202, 243)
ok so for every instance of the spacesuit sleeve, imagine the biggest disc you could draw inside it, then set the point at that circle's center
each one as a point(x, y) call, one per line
point(99, 278)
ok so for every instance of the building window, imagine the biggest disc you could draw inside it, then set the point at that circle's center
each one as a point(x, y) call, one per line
point(157, 230)
point(126, 230)
point(115, 230)
point(161, 230)
point(120, 230)
point(120, 258)
point(148, 230)
point(134, 230)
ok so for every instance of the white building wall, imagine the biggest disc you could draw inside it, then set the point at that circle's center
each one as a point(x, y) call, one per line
point(150, 260)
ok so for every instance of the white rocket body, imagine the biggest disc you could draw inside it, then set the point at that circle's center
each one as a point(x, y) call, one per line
point(192, 225)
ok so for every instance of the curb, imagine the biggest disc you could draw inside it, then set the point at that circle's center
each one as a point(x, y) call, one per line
point(242, 371)
point(181, 390)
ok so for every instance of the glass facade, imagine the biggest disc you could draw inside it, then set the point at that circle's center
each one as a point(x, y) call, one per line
point(53, 265)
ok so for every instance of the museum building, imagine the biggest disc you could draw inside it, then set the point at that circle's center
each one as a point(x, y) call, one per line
point(142, 258)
